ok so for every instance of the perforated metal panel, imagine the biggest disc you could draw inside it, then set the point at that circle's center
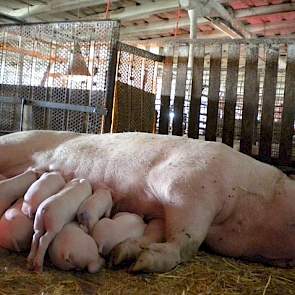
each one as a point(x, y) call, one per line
point(135, 97)
point(55, 68)
point(9, 77)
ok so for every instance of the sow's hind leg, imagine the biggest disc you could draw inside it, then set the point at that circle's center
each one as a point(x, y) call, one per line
point(190, 207)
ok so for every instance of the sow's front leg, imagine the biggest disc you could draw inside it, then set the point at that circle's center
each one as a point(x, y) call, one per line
point(190, 208)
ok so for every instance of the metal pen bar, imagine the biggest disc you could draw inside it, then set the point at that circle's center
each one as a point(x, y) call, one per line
point(10, 100)
point(23, 101)
point(275, 40)
point(68, 107)
point(140, 52)
point(54, 105)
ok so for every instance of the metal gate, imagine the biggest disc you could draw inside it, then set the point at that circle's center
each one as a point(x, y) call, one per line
point(241, 92)
point(135, 90)
point(57, 76)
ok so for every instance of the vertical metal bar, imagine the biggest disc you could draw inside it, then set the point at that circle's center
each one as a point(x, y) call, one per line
point(87, 99)
point(150, 115)
point(250, 99)
point(20, 87)
point(129, 91)
point(48, 91)
point(213, 93)
point(269, 97)
point(2, 69)
point(288, 116)
point(111, 78)
point(2, 62)
point(165, 95)
point(231, 94)
point(143, 111)
point(177, 126)
point(122, 100)
point(136, 93)
point(23, 101)
point(196, 93)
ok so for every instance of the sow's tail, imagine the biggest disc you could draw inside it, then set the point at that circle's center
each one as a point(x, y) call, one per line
point(17, 149)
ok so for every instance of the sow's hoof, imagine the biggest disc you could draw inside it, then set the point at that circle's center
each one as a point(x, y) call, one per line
point(125, 251)
point(158, 257)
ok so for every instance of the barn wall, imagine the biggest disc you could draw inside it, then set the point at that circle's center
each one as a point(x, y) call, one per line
point(239, 92)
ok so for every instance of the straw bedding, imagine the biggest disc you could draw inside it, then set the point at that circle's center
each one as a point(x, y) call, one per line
point(206, 274)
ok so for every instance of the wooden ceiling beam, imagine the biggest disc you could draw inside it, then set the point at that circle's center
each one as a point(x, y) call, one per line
point(140, 11)
point(56, 6)
point(264, 10)
point(168, 26)
point(162, 40)
point(158, 27)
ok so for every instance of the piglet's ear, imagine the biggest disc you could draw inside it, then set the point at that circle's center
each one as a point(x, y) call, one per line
point(39, 172)
point(66, 257)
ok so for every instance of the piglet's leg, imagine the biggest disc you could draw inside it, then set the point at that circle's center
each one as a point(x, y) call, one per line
point(187, 219)
point(130, 249)
point(44, 242)
point(34, 248)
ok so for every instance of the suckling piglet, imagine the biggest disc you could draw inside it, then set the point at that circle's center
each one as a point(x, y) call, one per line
point(93, 208)
point(16, 229)
point(14, 188)
point(72, 248)
point(110, 232)
point(47, 185)
point(52, 215)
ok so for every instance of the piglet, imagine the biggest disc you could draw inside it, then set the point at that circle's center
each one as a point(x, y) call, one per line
point(93, 208)
point(110, 232)
point(16, 229)
point(52, 215)
point(2, 177)
point(72, 248)
point(47, 185)
point(14, 188)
